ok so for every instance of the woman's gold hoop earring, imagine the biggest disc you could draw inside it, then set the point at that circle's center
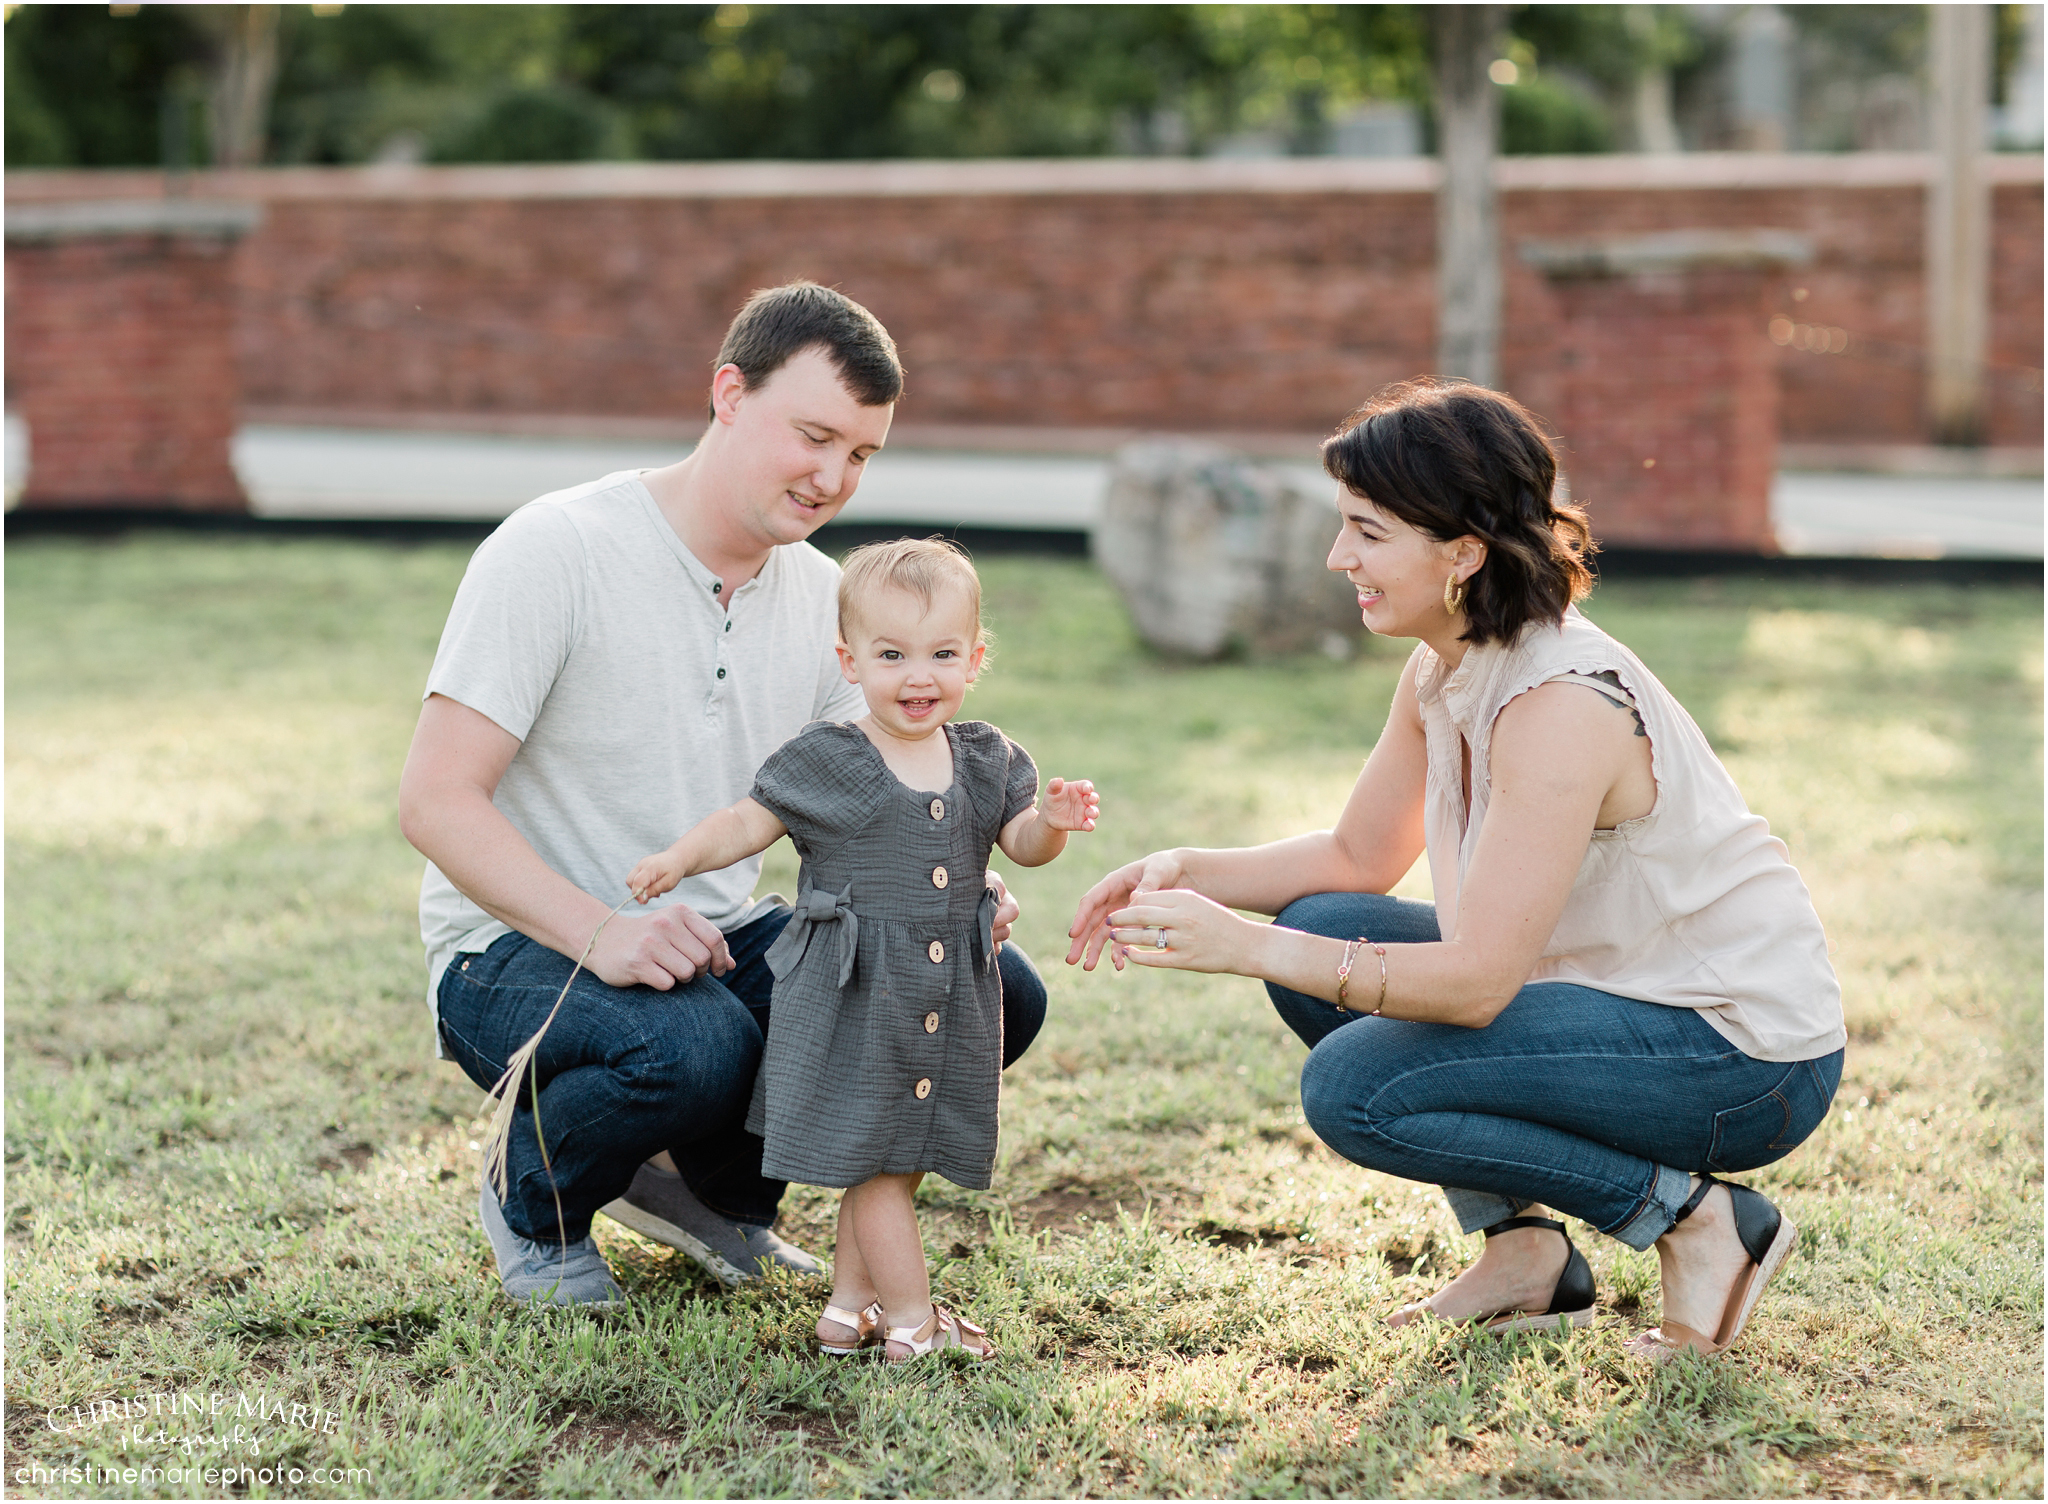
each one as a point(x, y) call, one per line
point(1454, 593)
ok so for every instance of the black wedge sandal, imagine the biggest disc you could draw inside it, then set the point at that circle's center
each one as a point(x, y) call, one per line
point(1571, 1303)
point(1766, 1234)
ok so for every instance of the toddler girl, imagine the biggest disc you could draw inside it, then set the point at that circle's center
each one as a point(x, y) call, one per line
point(885, 1048)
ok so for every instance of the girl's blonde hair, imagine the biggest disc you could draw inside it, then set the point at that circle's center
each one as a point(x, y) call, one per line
point(922, 566)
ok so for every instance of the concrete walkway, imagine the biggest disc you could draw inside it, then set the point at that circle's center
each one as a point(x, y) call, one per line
point(358, 473)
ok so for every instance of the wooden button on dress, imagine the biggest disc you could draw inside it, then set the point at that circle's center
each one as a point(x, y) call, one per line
point(936, 951)
point(938, 809)
point(931, 1023)
point(924, 1088)
point(939, 877)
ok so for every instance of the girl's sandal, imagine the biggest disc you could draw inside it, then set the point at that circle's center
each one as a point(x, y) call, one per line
point(865, 1325)
point(941, 1329)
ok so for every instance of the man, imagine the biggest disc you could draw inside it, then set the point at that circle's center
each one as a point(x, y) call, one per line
point(619, 660)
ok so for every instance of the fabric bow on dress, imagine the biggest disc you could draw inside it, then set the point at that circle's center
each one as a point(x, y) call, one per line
point(815, 907)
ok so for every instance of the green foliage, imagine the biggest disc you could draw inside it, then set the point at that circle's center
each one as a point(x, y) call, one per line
point(86, 89)
point(233, 1166)
point(577, 82)
point(1547, 117)
point(546, 122)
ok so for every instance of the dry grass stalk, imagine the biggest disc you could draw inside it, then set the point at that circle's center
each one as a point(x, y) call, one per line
point(498, 1141)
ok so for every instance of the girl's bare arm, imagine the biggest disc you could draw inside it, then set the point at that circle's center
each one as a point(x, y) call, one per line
point(718, 840)
point(1038, 834)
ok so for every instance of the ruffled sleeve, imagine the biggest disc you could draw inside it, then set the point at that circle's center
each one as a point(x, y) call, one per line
point(1020, 790)
point(823, 784)
point(998, 773)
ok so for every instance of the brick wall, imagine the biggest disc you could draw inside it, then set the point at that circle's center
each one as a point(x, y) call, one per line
point(1665, 395)
point(121, 354)
point(1152, 294)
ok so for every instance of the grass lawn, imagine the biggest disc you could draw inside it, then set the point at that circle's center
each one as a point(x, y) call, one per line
point(234, 1168)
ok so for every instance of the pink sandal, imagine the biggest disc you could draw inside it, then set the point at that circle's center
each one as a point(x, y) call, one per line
point(865, 1325)
point(941, 1329)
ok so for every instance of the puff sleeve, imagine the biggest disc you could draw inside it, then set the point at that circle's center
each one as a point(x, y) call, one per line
point(822, 784)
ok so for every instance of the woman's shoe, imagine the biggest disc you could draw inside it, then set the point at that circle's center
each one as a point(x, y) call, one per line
point(941, 1329)
point(865, 1326)
point(1767, 1235)
point(1571, 1301)
point(1571, 1298)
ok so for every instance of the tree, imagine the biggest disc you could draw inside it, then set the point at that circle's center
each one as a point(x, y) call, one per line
point(1467, 41)
point(242, 42)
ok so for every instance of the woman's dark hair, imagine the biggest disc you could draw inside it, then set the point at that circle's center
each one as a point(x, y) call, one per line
point(780, 322)
point(1449, 458)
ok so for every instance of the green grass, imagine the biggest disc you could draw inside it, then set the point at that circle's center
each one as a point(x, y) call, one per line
point(234, 1167)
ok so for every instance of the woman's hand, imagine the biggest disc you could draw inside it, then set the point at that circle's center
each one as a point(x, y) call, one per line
point(1090, 932)
point(1182, 930)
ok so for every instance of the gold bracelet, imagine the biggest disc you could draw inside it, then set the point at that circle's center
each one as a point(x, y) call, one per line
point(1381, 951)
point(1344, 970)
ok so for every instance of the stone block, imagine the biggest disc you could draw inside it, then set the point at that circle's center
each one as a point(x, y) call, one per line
point(1214, 553)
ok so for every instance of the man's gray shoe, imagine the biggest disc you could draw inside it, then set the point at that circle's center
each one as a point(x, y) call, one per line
point(767, 1248)
point(541, 1271)
point(659, 1205)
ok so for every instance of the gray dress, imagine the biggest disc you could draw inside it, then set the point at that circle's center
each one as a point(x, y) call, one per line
point(885, 1047)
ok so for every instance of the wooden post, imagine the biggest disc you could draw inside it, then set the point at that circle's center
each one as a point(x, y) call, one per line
point(1467, 216)
point(1958, 222)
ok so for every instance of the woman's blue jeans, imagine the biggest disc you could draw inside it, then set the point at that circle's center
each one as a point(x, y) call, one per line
point(626, 1072)
point(1596, 1105)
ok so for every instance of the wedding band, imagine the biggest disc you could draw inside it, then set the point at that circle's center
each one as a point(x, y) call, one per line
point(1160, 931)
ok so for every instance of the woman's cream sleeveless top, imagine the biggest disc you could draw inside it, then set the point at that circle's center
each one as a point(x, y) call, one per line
point(1694, 905)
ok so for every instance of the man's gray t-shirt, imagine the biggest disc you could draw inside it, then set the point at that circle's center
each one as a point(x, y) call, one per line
point(642, 699)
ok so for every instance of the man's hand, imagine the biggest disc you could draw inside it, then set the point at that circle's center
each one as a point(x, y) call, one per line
point(1070, 805)
point(668, 948)
point(1007, 909)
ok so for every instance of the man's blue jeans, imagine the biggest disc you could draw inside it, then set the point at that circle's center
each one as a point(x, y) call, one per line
point(628, 1072)
point(1596, 1105)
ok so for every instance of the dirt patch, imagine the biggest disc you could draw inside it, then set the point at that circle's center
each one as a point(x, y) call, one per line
point(1208, 1231)
point(1066, 1208)
point(1409, 1252)
point(350, 1157)
point(816, 1425)
point(136, 1268)
point(604, 1434)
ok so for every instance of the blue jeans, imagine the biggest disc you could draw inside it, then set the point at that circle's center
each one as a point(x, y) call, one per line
point(1597, 1105)
point(628, 1072)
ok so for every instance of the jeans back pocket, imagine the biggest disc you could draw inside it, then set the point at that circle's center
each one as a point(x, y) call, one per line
point(1774, 1124)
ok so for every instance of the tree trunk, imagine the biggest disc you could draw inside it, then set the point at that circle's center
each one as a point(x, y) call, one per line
point(1958, 222)
point(243, 72)
point(1467, 219)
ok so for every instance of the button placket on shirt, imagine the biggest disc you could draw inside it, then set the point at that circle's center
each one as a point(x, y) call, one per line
point(722, 668)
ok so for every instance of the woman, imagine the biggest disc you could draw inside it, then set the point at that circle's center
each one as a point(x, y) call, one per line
point(1622, 988)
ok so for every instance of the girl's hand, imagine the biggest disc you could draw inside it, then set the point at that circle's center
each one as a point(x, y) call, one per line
point(1199, 934)
point(1089, 932)
point(653, 876)
point(1069, 805)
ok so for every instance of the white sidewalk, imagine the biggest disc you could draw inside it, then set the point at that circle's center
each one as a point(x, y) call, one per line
point(364, 473)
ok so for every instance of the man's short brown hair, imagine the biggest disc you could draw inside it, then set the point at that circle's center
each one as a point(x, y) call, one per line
point(779, 322)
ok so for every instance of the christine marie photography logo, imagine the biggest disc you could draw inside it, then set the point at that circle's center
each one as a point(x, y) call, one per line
point(215, 1438)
